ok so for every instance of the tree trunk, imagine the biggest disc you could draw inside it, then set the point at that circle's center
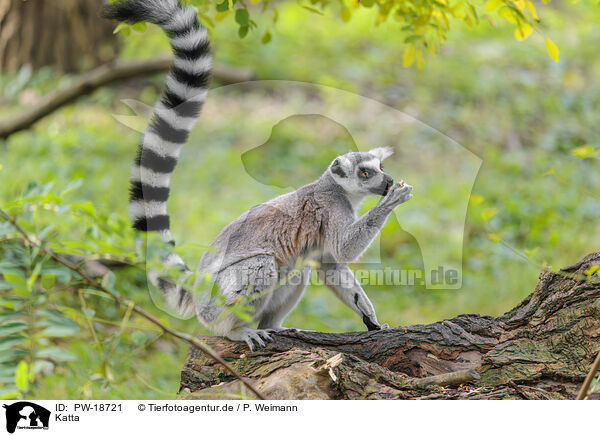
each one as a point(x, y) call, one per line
point(541, 349)
point(68, 34)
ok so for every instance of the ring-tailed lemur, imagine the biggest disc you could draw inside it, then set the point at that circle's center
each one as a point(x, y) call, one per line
point(251, 255)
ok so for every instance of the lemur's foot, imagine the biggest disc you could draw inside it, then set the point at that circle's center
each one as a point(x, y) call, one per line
point(255, 338)
point(385, 326)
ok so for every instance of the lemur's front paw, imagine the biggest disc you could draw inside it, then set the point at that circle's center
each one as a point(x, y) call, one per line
point(385, 326)
point(371, 323)
point(397, 195)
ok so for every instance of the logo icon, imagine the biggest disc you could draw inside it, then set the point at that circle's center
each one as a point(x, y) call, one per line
point(26, 415)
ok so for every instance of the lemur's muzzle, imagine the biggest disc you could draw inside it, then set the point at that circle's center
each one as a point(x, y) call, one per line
point(388, 182)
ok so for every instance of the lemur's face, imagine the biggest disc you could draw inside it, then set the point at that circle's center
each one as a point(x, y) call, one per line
point(361, 173)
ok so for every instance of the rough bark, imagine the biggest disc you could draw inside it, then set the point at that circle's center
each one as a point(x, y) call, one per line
point(67, 34)
point(541, 349)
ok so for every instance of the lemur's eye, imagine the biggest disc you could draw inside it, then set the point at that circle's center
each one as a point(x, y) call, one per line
point(365, 174)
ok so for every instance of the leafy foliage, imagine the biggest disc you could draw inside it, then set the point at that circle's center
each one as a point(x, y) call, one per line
point(424, 24)
point(46, 312)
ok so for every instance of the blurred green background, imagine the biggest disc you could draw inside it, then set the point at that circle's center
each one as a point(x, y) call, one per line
point(534, 204)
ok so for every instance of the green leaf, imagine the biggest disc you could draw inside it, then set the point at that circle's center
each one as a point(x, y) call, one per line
point(138, 338)
point(7, 373)
point(123, 28)
point(32, 187)
point(242, 17)
point(6, 228)
point(12, 355)
point(6, 315)
point(266, 38)
point(585, 152)
point(10, 341)
point(56, 353)
point(243, 31)
point(12, 327)
point(509, 14)
point(409, 55)
point(591, 270)
point(313, 10)
point(241, 312)
point(34, 275)
point(476, 199)
point(59, 331)
point(76, 183)
point(532, 252)
point(346, 14)
point(86, 207)
point(523, 31)
point(48, 280)
point(108, 281)
point(139, 27)
point(120, 27)
point(223, 7)
point(42, 366)
point(413, 38)
point(63, 275)
point(494, 237)
point(532, 10)
point(16, 277)
point(492, 5)
point(57, 325)
point(420, 60)
point(9, 393)
point(487, 214)
point(45, 231)
point(22, 376)
point(88, 312)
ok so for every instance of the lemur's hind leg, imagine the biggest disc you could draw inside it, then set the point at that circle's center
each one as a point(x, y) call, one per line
point(285, 299)
point(251, 282)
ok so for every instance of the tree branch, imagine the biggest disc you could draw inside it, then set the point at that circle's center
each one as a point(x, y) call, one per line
point(102, 76)
point(130, 303)
point(583, 393)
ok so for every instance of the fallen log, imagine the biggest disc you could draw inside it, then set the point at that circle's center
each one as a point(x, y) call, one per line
point(541, 349)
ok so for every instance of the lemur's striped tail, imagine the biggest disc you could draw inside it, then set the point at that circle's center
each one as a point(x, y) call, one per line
point(174, 115)
point(173, 118)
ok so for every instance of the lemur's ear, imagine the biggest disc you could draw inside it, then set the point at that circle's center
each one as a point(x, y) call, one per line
point(340, 166)
point(382, 153)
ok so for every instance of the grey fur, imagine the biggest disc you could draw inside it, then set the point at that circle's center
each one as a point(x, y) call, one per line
point(253, 255)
